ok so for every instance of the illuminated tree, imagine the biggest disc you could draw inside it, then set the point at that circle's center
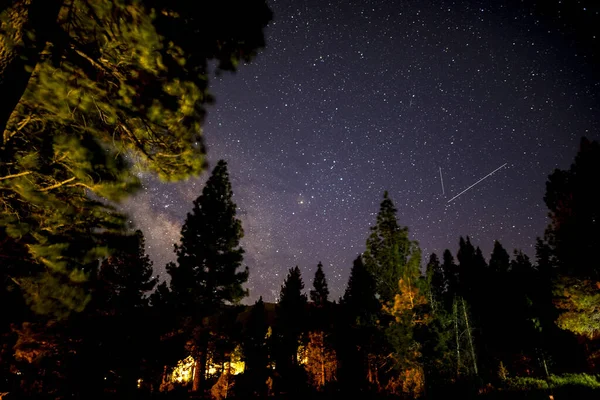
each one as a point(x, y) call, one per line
point(209, 257)
point(394, 262)
point(93, 93)
point(463, 350)
point(390, 254)
point(573, 237)
point(321, 360)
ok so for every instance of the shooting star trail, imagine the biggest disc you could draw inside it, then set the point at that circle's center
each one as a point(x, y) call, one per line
point(442, 180)
point(477, 182)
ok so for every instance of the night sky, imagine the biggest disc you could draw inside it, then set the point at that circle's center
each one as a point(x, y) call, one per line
point(353, 98)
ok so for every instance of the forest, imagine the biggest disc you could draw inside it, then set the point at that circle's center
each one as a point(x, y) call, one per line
point(93, 93)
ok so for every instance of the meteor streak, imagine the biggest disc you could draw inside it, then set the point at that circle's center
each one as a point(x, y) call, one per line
point(477, 182)
point(442, 180)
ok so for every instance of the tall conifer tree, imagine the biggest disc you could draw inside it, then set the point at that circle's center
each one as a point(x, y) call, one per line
point(291, 317)
point(390, 254)
point(208, 272)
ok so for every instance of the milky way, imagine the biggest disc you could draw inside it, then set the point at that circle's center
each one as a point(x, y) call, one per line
point(356, 97)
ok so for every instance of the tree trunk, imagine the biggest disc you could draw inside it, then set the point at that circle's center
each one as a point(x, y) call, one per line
point(201, 361)
point(472, 348)
point(455, 312)
point(19, 50)
point(197, 374)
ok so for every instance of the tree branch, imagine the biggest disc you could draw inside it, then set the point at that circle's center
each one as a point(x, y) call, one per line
point(15, 175)
point(57, 185)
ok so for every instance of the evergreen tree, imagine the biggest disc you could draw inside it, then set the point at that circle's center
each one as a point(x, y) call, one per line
point(451, 273)
point(290, 327)
point(128, 272)
point(460, 280)
point(209, 257)
point(111, 78)
point(573, 238)
point(572, 201)
point(126, 278)
point(320, 356)
point(359, 299)
point(390, 254)
point(499, 259)
point(394, 261)
point(498, 314)
point(437, 336)
point(319, 295)
point(357, 335)
point(467, 273)
point(255, 348)
point(168, 339)
point(436, 281)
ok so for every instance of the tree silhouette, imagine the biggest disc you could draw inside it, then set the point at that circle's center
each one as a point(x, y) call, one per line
point(290, 328)
point(207, 276)
point(255, 349)
point(320, 294)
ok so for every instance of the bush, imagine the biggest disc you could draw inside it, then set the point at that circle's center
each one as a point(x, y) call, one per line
point(553, 382)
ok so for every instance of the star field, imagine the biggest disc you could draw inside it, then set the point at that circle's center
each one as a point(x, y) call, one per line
point(353, 98)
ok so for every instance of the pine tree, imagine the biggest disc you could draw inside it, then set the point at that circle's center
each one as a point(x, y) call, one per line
point(255, 346)
point(461, 280)
point(319, 295)
point(128, 272)
point(436, 282)
point(359, 300)
point(290, 327)
point(168, 346)
point(209, 257)
point(451, 273)
point(320, 355)
point(436, 337)
point(390, 254)
point(291, 312)
point(466, 267)
point(499, 259)
point(85, 83)
point(573, 237)
point(498, 314)
point(394, 261)
point(121, 298)
point(357, 335)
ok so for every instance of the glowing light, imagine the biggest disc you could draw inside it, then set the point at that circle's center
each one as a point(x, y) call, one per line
point(183, 372)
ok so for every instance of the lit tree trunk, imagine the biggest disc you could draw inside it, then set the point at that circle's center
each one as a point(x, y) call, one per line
point(469, 336)
point(19, 54)
point(545, 366)
point(455, 312)
point(196, 376)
